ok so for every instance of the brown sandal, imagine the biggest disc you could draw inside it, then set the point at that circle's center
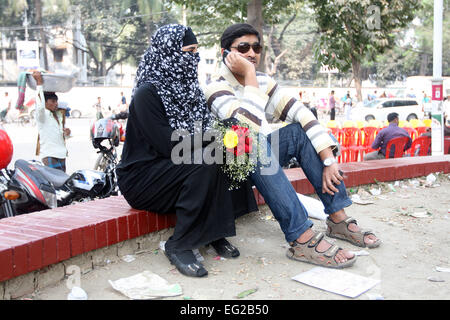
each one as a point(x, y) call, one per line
point(306, 252)
point(341, 231)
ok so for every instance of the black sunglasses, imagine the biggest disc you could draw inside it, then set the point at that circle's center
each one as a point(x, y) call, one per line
point(243, 47)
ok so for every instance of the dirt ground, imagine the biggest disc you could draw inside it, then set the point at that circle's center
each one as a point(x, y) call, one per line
point(411, 217)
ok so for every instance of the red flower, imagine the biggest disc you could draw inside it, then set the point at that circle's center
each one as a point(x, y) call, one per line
point(245, 142)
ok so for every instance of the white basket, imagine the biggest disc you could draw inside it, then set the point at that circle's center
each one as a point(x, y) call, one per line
point(53, 82)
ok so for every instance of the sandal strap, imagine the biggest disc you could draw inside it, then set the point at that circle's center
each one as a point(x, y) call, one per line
point(350, 220)
point(332, 251)
point(315, 239)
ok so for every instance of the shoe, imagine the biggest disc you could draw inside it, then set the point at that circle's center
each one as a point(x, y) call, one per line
point(186, 263)
point(225, 249)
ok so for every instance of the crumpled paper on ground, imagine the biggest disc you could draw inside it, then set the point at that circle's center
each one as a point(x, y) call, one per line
point(146, 285)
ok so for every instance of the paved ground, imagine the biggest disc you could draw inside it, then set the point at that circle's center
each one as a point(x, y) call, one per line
point(413, 221)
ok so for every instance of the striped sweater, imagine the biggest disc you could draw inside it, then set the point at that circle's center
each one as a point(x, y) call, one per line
point(226, 98)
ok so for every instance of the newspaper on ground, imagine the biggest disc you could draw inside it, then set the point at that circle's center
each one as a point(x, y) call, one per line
point(146, 285)
point(336, 281)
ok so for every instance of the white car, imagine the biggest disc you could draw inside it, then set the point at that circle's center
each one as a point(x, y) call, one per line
point(407, 109)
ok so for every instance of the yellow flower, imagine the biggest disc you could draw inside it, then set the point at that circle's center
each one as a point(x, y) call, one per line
point(231, 139)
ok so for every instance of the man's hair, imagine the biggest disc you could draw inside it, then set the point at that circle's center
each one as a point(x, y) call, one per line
point(392, 116)
point(50, 95)
point(236, 31)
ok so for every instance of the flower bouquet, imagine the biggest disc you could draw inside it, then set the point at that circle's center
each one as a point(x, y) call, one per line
point(239, 160)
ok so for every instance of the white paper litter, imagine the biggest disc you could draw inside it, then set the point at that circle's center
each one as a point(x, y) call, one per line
point(77, 294)
point(361, 253)
point(375, 192)
point(128, 258)
point(357, 199)
point(314, 207)
point(336, 281)
point(146, 285)
point(441, 269)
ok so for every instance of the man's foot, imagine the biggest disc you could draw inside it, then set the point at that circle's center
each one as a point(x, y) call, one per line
point(341, 256)
point(345, 228)
point(316, 250)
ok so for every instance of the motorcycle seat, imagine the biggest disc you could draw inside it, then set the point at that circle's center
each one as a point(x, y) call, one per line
point(55, 176)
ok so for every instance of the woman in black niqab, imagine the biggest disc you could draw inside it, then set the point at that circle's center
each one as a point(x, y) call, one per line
point(168, 97)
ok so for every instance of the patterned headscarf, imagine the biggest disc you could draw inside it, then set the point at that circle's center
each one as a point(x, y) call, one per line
point(174, 73)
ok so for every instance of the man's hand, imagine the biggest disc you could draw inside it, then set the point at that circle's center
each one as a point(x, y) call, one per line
point(330, 178)
point(242, 68)
point(239, 65)
point(38, 77)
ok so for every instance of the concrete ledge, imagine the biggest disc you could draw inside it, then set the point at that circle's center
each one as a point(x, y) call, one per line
point(31, 244)
point(50, 275)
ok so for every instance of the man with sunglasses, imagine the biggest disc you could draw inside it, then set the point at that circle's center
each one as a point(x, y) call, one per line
point(255, 98)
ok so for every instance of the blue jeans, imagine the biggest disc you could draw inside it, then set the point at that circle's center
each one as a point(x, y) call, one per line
point(278, 192)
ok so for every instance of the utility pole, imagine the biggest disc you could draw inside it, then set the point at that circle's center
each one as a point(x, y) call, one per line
point(437, 125)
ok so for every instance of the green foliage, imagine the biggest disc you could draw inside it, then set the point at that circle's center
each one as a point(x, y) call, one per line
point(349, 30)
point(209, 18)
point(354, 30)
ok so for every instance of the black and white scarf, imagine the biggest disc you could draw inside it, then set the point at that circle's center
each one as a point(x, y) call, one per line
point(174, 73)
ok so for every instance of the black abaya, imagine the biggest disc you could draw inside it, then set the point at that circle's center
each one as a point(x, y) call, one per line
point(197, 193)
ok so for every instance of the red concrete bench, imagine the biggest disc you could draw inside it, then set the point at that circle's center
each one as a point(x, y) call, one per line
point(32, 241)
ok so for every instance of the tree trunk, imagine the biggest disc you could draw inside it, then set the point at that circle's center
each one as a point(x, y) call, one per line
point(356, 68)
point(38, 6)
point(423, 64)
point(254, 18)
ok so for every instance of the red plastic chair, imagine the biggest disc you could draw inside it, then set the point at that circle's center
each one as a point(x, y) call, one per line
point(421, 130)
point(412, 132)
point(368, 135)
point(337, 133)
point(351, 143)
point(399, 147)
point(422, 144)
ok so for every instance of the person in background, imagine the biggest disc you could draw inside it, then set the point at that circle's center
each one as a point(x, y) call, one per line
point(5, 106)
point(446, 108)
point(123, 106)
point(386, 135)
point(348, 107)
point(98, 108)
point(314, 104)
point(332, 106)
point(50, 120)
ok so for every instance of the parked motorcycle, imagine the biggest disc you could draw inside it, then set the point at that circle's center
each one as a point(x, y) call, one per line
point(31, 186)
